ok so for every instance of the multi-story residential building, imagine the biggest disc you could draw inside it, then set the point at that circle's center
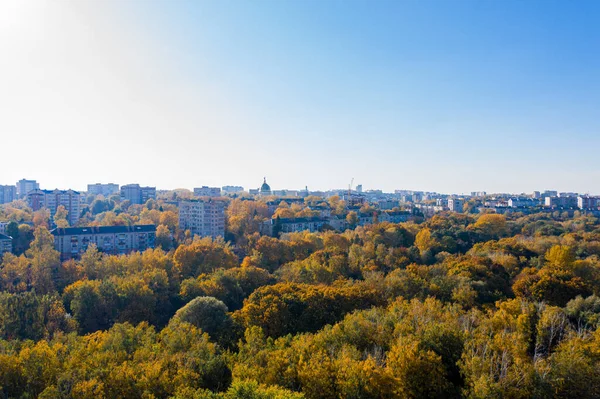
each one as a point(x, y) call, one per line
point(206, 191)
point(203, 218)
point(3, 227)
point(394, 217)
point(456, 204)
point(8, 194)
point(5, 244)
point(587, 202)
point(71, 242)
point(429, 210)
point(52, 199)
point(136, 194)
point(520, 202)
point(290, 225)
point(387, 204)
point(560, 202)
point(103, 189)
point(232, 189)
point(478, 193)
point(24, 186)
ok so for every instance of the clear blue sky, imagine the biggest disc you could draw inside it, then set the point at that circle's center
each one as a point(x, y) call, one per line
point(449, 96)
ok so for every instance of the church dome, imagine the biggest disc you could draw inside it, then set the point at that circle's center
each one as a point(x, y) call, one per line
point(265, 187)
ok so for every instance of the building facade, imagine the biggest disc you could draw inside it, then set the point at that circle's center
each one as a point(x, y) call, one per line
point(137, 194)
point(587, 202)
point(52, 199)
point(5, 244)
point(206, 191)
point(456, 204)
point(72, 242)
point(203, 218)
point(8, 194)
point(24, 186)
point(232, 189)
point(276, 226)
point(103, 189)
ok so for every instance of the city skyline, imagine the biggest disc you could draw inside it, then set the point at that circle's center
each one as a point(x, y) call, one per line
point(204, 190)
point(430, 96)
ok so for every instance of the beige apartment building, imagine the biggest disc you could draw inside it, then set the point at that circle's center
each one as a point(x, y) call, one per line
point(52, 199)
point(203, 218)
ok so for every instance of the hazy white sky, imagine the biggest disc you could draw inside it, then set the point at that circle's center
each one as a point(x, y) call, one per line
point(444, 96)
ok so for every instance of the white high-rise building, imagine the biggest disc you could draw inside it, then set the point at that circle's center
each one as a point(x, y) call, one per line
point(203, 218)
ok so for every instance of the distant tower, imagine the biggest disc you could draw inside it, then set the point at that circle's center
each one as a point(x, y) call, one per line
point(359, 188)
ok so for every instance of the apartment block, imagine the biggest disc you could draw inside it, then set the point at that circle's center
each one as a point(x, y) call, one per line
point(103, 189)
point(52, 199)
point(587, 202)
point(136, 194)
point(203, 218)
point(289, 225)
point(456, 204)
point(71, 242)
point(205, 191)
point(5, 244)
point(8, 194)
point(24, 186)
point(561, 202)
point(232, 189)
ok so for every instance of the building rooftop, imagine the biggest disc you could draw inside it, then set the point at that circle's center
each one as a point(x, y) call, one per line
point(70, 231)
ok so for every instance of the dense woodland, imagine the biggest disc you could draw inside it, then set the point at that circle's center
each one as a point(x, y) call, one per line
point(460, 305)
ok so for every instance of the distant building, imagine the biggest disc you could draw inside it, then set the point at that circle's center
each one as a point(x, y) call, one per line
point(536, 194)
point(205, 191)
point(587, 202)
point(290, 225)
point(5, 244)
point(456, 204)
point(550, 193)
point(24, 186)
point(203, 218)
point(561, 202)
point(232, 189)
point(387, 204)
point(71, 242)
point(106, 190)
point(359, 188)
point(52, 199)
point(394, 217)
point(265, 189)
point(519, 202)
point(136, 194)
point(478, 193)
point(8, 194)
point(3, 227)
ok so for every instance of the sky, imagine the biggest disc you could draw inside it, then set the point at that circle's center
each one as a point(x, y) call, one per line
point(450, 96)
